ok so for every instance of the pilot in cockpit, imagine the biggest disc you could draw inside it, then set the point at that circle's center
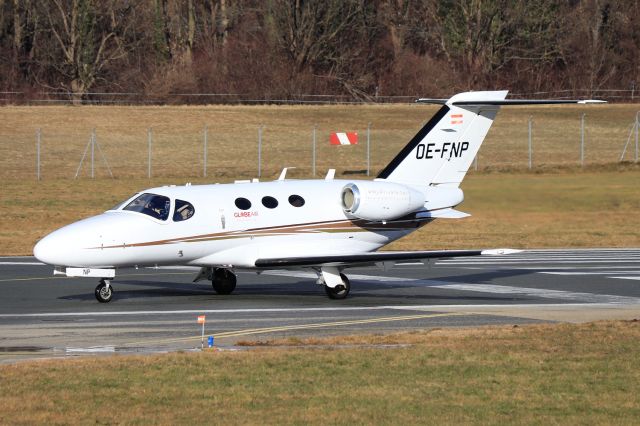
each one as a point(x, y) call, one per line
point(157, 207)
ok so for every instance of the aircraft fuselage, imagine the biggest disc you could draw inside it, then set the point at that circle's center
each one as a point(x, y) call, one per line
point(307, 216)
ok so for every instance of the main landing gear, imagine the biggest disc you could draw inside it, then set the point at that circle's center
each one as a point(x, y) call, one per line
point(223, 281)
point(340, 291)
point(336, 284)
point(104, 291)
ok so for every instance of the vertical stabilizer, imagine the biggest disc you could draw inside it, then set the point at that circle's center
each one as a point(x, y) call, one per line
point(443, 150)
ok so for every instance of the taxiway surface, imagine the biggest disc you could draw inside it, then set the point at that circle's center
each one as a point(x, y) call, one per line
point(155, 310)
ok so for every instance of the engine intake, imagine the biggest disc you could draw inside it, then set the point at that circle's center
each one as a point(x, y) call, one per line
point(379, 201)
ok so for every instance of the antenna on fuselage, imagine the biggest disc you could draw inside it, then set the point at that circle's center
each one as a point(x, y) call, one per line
point(330, 174)
point(283, 174)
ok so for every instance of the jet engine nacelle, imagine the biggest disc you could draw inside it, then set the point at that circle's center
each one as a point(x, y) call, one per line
point(379, 201)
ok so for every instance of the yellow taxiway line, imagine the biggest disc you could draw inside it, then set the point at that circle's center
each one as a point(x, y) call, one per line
point(253, 331)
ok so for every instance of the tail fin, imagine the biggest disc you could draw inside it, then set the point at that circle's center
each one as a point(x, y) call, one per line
point(442, 151)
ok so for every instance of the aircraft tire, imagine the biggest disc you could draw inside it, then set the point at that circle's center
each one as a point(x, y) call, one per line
point(103, 292)
point(224, 281)
point(341, 291)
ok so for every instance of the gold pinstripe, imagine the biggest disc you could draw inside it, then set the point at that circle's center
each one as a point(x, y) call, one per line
point(334, 226)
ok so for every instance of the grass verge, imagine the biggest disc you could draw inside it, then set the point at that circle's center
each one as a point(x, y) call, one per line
point(595, 207)
point(533, 374)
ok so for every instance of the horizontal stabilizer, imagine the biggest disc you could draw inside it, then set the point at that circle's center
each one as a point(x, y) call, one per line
point(479, 102)
point(448, 213)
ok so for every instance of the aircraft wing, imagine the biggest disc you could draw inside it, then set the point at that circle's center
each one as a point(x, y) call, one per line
point(372, 258)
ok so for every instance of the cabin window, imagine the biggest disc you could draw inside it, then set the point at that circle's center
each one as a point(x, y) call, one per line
point(183, 211)
point(296, 200)
point(269, 202)
point(153, 205)
point(243, 203)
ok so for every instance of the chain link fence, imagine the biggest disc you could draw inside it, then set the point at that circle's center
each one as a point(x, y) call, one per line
point(229, 142)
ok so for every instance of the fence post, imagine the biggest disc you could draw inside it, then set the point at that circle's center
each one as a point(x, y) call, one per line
point(149, 142)
point(368, 148)
point(582, 139)
point(637, 124)
point(38, 135)
point(93, 149)
point(259, 151)
point(313, 155)
point(205, 150)
point(530, 142)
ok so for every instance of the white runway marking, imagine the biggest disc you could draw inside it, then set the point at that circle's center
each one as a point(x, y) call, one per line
point(608, 263)
point(543, 293)
point(484, 288)
point(92, 349)
point(554, 256)
point(329, 309)
point(530, 261)
point(588, 272)
point(16, 257)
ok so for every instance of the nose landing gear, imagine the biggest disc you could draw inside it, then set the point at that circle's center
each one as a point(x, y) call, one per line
point(104, 291)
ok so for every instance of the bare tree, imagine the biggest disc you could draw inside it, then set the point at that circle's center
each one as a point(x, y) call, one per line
point(280, 48)
point(86, 42)
point(592, 51)
point(312, 32)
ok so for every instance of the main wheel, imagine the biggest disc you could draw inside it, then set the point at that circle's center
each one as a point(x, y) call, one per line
point(104, 291)
point(224, 281)
point(340, 291)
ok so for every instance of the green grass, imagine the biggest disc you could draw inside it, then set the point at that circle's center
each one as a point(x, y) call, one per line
point(561, 374)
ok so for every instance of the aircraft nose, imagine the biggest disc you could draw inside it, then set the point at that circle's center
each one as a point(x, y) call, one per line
point(67, 246)
point(49, 250)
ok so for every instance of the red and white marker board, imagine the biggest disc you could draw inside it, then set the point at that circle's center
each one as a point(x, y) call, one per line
point(344, 138)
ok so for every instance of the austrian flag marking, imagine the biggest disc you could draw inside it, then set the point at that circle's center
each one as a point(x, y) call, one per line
point(456, 118)
point(344, 138)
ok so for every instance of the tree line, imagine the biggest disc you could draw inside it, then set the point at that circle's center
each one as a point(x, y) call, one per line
point(280, 49)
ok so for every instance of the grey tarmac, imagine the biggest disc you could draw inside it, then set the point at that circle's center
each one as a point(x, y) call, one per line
point(155, 310)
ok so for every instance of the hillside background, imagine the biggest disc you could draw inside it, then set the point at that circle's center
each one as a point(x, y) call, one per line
point(209, 51)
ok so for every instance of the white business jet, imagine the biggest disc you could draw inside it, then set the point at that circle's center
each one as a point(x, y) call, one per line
point(324, 225)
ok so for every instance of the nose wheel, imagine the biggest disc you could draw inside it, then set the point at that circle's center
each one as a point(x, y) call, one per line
point(223, 281)
point(104, 291)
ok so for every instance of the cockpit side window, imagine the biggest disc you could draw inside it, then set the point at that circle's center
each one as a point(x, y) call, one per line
point(184, 210)
point(156, 206)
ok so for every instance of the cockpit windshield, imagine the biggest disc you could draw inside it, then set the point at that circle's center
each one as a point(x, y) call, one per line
point(120, 204)
point(156, 206)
